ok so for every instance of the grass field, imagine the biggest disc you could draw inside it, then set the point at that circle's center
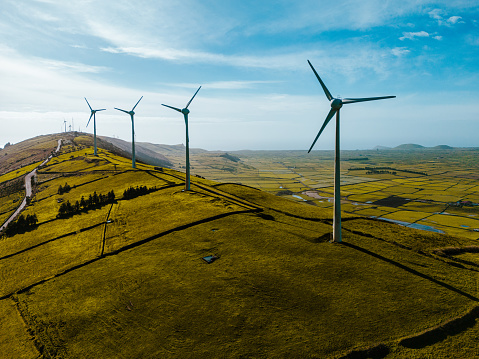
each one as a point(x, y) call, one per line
point(127, 280)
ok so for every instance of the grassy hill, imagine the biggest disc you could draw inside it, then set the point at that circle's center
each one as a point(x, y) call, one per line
point(408, 147)
point(127, 279)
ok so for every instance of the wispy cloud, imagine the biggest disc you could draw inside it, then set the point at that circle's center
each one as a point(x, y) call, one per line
point(71, 66)
point(227, 85)
point(440, 16)
point(400, 51)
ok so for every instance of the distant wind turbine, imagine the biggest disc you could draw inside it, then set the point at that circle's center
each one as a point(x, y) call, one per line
point(185, 113)
point(93, 112)
point(65, 123)
point(336, 104)
point(132, 114)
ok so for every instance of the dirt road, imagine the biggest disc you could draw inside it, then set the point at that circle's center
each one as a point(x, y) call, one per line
point(28, 190)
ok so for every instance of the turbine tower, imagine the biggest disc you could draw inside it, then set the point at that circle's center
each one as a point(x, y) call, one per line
point(185, 113)
point(93, 112)
point(336, 104)
point(65, 123)
point(132, 114)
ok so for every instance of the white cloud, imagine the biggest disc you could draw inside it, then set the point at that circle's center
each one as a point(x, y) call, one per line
point(413, 35)
point(455, 20)
point(437, 37)
point(76, 46)
point(400, 51)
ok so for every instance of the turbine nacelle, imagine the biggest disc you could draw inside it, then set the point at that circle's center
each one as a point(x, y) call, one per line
point(336, 103)
point(185, 111)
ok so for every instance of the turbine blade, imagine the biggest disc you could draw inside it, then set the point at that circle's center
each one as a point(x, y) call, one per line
point(325, 89)
point(119, 109)
point(102, 109)
point(353, 100)
point(192, 97)
point(88, 104)
point(326, 121)
point(133, 109)
point(89, 119)
point(174, 108)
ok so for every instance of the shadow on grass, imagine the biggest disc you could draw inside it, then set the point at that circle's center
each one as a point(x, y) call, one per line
point(441, 332)
point(412, 271)
point(377, 352)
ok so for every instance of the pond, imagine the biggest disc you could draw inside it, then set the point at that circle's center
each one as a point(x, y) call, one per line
point(422, 227)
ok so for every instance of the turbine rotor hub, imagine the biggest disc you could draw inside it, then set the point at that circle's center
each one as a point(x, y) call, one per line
point(336, 103)
point(185, 111)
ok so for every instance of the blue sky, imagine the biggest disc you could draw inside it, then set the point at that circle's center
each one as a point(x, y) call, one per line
point(250, 57)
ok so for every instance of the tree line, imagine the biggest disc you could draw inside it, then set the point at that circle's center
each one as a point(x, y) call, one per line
point(21, 225)
point(133, 192)
point(65, 189)
point(384, 170)
point(94, 201)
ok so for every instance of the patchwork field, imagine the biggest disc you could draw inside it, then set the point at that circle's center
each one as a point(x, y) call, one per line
point(434, 188)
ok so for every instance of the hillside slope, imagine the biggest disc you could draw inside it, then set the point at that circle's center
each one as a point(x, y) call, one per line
point(142, 152)
point(126, 279)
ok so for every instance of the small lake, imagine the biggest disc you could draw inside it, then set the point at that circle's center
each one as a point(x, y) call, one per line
point(422, 227)
point(298, 197)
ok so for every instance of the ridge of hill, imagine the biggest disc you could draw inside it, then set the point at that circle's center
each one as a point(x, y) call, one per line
point(126, 278)
point(413, 146)
point(142, 152)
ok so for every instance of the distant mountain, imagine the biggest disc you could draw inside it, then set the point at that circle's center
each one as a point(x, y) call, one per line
point(169, 149)
point(442, 147)
point(409, 146)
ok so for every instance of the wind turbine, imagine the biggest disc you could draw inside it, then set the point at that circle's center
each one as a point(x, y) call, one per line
point(132, 114)
point(336, 104)
point(185, 113)
point(93, 112)
point(65, 123)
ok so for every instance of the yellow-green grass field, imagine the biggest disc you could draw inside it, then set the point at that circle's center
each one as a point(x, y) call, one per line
point(256, 299)
point(128, 279)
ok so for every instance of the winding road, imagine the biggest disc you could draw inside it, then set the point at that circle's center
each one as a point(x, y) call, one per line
point(28, 190)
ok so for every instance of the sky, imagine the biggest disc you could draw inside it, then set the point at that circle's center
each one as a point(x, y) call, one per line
point(250, 57)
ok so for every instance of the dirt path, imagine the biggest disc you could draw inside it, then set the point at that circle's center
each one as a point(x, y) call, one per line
point(28, 190)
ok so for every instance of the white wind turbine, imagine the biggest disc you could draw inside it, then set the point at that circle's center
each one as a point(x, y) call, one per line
point(336, 104)
point(132, 114)
point(185, 113)
point(93, 112)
